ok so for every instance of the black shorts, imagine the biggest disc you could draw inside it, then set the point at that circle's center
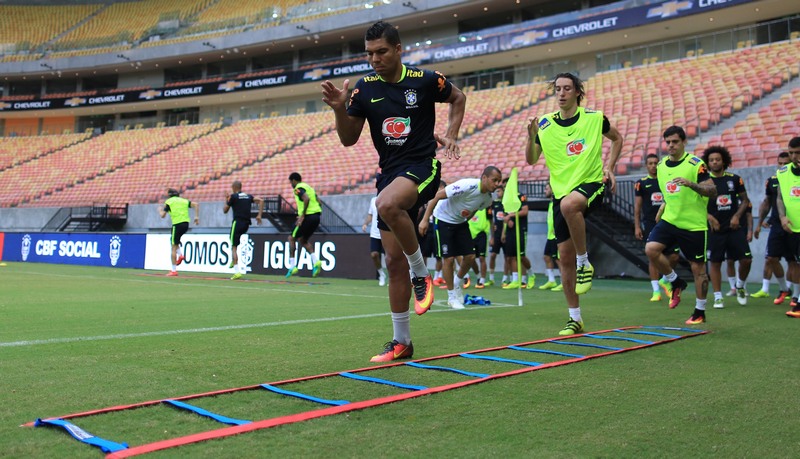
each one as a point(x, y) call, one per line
point(793, 240)
point(731, 245)
point(427, 243)
point(510, 246)
point(479, 243)
point(453, 239)
point(307, 228)
point(178, 230)
point(691, 243)
point(594, 195)
point(375, 245)
point(551, 249)
point(238, 228)
point(497, 244)
point(778, 243)
point(427, 177)
point(647, 228)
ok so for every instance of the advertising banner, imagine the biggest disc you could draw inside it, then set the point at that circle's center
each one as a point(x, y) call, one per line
point(113, 250)
point(205, 253)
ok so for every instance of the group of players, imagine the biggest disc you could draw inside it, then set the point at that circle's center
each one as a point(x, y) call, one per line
point(399, 101)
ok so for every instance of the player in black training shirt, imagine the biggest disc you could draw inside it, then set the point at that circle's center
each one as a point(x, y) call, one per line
point(777, 241)
point(399, 104)
point(726, 213)
point(241, 203)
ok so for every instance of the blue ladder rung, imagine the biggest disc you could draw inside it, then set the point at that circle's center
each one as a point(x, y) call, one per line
point(454, 370)
point(500, 359)
point(107, 446)
point(545, 351)
point(206, 413)
point(663, 335)
point(688, 330)
point(587, 345)
point(619, 338)
point(304, 396)
point(381, 381)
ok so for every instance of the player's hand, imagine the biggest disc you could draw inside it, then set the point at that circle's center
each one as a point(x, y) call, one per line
point(749, 237)
point(449, 146)
point(533, 127)
point(364, 228)
point(734, 222)
point(299, 221)
point(196, 220)
point(422, 228)
point(764, 224)
point(335, 98)
point(786, 224)
point(637, 232)
point(757, 231)
point(610, 179)
point(258, 220)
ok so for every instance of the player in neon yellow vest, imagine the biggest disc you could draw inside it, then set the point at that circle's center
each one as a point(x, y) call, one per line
point(571, 141)
point(788, 204)
point(550, 255)
point(687, 187)
point(178, 210)
point(308, 215)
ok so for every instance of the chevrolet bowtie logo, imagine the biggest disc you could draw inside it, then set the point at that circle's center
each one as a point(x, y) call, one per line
point(4, 105)
point(229, 86)
point(75, 101)
point(316, 74)
point(669, 9)
point(150, 94)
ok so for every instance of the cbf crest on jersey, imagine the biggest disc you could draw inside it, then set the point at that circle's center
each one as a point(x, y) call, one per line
point(411, 98)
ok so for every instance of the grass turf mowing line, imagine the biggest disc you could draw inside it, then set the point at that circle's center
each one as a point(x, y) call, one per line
point(347, 407)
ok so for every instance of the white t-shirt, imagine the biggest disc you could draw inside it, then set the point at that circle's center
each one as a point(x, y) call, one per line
point(374, 232)
point(464, 198)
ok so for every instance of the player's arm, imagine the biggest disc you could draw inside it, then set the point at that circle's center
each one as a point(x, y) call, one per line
point(785, 222)
point(532, 149)
point(763, 210)
point(705, 188)
point(306, 200)
point(260, 208)
point(737, 217)
point(660, 211)
point(616, 148)
point(162, 210)
point(196, 208)
point(367, 221)
point(423, 224)
point(637, 217)
point(347, 127)
point(227, 206)
point(458, 104)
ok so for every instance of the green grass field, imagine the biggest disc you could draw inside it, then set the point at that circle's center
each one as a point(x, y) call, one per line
point(75, 339)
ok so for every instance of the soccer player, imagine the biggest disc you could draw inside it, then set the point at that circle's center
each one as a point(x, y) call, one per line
point(427, 244)
point(726, 214)
point(788, 203)
point(479, 227)
point(648, 199)
point(375, 246)
point(242, 203)
point(399, 104)
point(508, 236)
point(451, 209)
point(178, 210)
point(777, 244)
point(550, 255)
point(497, 216)
point(309, 212)
point(571, 141)
point(687, 187)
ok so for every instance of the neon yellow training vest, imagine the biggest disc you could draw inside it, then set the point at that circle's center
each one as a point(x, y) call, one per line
point(790, 193)
point(685, 208)
point(313, 203)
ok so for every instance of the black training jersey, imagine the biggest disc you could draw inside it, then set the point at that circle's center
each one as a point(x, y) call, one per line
point(771, 192)
point(729, 189)
point(647, 188)
point(401, 115)
point(241, 203)
point(496, 213)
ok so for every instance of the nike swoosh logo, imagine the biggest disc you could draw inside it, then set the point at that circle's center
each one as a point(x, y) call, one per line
point(409, 173)
point(376, 100)
point(648, 186)
point(698, 256)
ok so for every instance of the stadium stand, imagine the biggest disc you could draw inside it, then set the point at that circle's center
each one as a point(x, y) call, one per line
point(32, 26)
point(69, 166)
point(17, 150)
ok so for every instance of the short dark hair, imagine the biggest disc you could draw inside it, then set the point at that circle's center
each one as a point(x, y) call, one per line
point(795, 142)
point(382, 29)
point(783, 154)
point(172, 192)
point(489, 169)
point(672, 130)
point(576, 82)
point(295, 176)
point(651, 155)
point(726, 155)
